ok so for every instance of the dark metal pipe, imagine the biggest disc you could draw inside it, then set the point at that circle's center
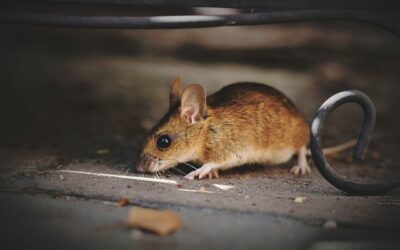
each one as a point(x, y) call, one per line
point(270, 4)
point(195, 21)
point(363, 140)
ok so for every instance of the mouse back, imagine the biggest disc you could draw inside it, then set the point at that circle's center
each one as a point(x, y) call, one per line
point(256, 116)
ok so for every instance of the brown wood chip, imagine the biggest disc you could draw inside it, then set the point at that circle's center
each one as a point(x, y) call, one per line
point(159, 222)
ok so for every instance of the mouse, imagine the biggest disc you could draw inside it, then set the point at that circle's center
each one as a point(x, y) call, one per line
point(242, 123)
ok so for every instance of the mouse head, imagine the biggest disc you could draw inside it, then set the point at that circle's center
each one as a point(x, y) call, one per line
point(177, 137)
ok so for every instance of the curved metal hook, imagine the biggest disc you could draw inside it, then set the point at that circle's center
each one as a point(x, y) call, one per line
point(360, 149)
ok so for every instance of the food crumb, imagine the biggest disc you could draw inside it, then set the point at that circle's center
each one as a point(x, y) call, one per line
point(158, 222)
point(202, 190)
point(300, 199)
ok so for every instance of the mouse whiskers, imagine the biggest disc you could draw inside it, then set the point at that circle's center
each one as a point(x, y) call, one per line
point(128, 167)
point(180, 171)
point(160, 173)
point(131, 163)
point(187, 164)
point(169, 172)
point(190, 165)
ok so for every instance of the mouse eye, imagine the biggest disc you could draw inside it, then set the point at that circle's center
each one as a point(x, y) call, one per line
point(164, 141)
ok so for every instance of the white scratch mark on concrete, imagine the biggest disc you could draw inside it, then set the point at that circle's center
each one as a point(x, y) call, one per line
point(194, 191)
point(223, 187)
point(129, 177)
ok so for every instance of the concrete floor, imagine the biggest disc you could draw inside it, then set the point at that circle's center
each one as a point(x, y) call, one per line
point(38, 222)
point(68, 93)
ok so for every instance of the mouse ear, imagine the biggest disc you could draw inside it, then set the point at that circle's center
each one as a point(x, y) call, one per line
point(193, 103)
point(175, 91)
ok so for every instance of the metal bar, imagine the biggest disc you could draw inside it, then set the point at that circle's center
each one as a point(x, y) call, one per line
point(195, 21)
point(271, 4)
point(363, 140)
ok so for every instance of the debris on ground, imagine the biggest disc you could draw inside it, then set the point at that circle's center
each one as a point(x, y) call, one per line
point(179, 186)
point(158, 222)
point(202, 190)
point(376, 156)
point(223, 187)
point(300, 199)
point(102, 151)
point(123, 202)
point(348, 159)
point(61, 177)
point(330, 224)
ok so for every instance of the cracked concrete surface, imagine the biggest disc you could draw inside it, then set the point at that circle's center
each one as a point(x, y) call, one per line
point(66, 94)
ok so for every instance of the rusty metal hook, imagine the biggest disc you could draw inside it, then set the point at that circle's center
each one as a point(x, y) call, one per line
point(360, 149)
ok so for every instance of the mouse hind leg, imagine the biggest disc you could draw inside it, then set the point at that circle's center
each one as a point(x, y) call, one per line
point(302, 166)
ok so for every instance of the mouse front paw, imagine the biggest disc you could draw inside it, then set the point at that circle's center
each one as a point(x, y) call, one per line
point(204, 171)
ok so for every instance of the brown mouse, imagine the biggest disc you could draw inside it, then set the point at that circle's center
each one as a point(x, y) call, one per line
point(240, 124)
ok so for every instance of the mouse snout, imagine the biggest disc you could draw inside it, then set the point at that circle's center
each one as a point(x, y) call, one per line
point(146, 163)
point(139, 167)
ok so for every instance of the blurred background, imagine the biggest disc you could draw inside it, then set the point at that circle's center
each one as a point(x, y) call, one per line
point(68, 92)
